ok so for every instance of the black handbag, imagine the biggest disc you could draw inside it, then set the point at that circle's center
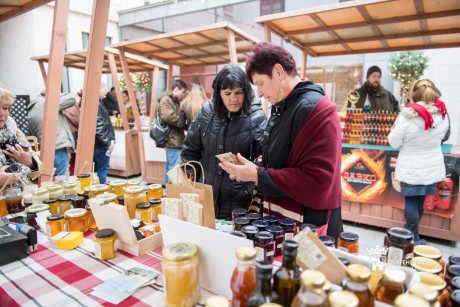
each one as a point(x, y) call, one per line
point(160, 131)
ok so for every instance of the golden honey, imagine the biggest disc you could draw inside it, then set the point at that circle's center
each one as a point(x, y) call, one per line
point(104, 244)
point(133, 196)
point(117, 187)
point(85, 181)
point(70, 188)
point(77, 220)
point(155, 191)
point(55, 190)
point(55, 224)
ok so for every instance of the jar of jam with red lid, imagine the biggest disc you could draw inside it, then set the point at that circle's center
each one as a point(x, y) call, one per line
point(348, 242)
point(327, 240)
point(253, 216)
point(289, 227)
point(265, 247)
point(400, 246)
point(238, 212)
point(312, 227)
point(239, 222)
point(250, 231)
point(260, 224)
point(278, 234)
point(273, 220)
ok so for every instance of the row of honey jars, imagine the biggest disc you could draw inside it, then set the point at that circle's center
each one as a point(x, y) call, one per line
point(367, 128)
point(360, 138)
point(371, 116)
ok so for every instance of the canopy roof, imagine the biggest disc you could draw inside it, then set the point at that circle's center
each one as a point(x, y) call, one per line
point(205, 45)
point(13, 8)
point(365, 26)
point(136, 63)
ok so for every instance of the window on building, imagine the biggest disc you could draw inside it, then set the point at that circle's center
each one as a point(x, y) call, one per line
point(271, 7)
point(108, 41)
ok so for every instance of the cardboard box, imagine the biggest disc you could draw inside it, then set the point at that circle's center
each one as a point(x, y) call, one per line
point(13, 247)
point(116, 217)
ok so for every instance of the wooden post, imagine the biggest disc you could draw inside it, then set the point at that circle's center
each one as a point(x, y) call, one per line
point(116, 84)
point(153, 100)
point(267, 33)
point(91, 85)
point(303, 67)
point(53, 87)
point(232, 47)
point(42, 70)
point(169, 79)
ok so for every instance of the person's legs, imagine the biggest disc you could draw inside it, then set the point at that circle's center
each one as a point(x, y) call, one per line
point(101, 163)
point(413, 208)
point(172, 159)
point(61, 160)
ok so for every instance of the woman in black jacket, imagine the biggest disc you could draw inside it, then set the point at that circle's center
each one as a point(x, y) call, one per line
point(232, 121)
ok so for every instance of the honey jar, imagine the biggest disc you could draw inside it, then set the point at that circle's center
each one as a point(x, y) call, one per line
point(97, 189)
point(77, 220)
point(343, 298)
point(428, 265)
point(38, 195)
point(425, 292)
point(430, 252)
point(390, 286)
point(70, 188)
point(85, 181)
point(53, 204)
point(65, 202)
point(91, 221)
point(348, 242)
point(108, 197)
point(155, 203)
point(133, 196)
point(133, 182)
point(55, 224)
point(400, 246)
point(117, 187)
point(32, 213)
point(180, 269)
point(410, 300)
point(144, 212)
point(357, 282)
point(3, 209)
point(55, 190)
point(436, 283)
point(155, 191)
point(104, 244)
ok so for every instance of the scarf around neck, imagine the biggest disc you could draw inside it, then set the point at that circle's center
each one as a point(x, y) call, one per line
point(427, 115)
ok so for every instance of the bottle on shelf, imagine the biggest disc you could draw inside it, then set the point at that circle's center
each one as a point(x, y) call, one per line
point(311, 292)
point(243, 281)
point(357, 282)
point(286, 280)
point(263, 293)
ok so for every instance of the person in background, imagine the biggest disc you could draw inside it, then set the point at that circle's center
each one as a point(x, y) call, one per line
point(111, 103)
point(373, 96)
point(128, 108)
point(301, 161)
point(65, 142)
point(233, 121)
point(169, 112)
point(11, 152)
point(418, 132)
point(191, 105)
point(105, 139)
point(72, 115)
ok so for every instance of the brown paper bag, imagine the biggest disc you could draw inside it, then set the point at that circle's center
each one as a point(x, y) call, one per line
point(204, 191)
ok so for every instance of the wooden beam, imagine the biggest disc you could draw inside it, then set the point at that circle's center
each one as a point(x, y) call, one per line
point(42, 70)
point(169, 78)
point(303, 65)
point(422, 21)
point(320, 23)
point(116, 84)
point(91, 85)
point(232, 47)
point(20, 9)
point(153, 97)
point(267, 32)
point(53, 87)
point(367, 17)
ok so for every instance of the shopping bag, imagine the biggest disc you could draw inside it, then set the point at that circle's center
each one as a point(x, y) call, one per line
point(160, 131)
point(204, 191)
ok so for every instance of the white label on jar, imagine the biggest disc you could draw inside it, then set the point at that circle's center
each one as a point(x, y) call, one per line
point(137, 216)
point(395, 255)
point(97, 250)
point(279, 246)
point(270, 253)
point(260, 254)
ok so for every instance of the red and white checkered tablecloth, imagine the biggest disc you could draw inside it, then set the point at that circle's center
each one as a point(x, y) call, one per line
point(52, 277)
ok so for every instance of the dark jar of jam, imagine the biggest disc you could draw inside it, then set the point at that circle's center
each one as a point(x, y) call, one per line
point(451, 272)
point(454, 283)
point(399, 244)
point(312, 227)
point(289, 228)
point(240, 222)
point(278, 234)
point(348, 242)
point(250, 231)
point(261, 225)
point(78, 202)
point(273, 220)
point(455, 299)
point(453, 259)
point(265, 247)
point(238, 212)
point(327, 240)
point(253, 216)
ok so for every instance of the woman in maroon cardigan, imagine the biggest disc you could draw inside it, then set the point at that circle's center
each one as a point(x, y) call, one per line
point(300, 172)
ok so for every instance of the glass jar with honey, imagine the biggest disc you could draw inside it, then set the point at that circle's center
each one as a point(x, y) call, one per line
point(181, 274)
point(104, 244)
point(70, 188)
point(97, 189)
point(53, 203)
point(133, 182)
point(65, 202)
point(343, 298)
point(14, 201)
point(428, 265)
point(348, 242)
point(410, 300)
point(425, 292)
point(430, 252)
point(85, 181)
point(55, 224)
point(390, 286)
point(40, 194)
point(155, 203)
point(91, 221)
point(144, 212)
point(311, 291)
point(436, 283)
point(55, 190)
point(133, 196)
point(357, 282)
point(155, 191)
point(108, 197)
point(3, 209)
point(77, 220)
point(117, 187)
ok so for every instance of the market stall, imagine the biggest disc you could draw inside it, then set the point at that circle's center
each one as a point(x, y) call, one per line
point(357, 27)
point(214, 44)
point(125, 159)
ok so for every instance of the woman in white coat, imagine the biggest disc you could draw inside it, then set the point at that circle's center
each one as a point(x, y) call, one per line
point(418, 133)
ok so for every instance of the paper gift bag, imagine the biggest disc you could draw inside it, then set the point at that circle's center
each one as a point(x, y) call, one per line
point(204, 191)
point(178, 176)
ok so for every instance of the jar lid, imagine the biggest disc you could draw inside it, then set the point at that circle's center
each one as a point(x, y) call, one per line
point(40, 191)
point(271, 219)
point(77, 198)
point(454, 259)
point(434, 281)
point(312, 227)
point(134, 189)
point(406, 300)
point(143, 205)
point(426, 265)
point(246, 253)
point(327, 240)
point(455, 296)
point(455, 282)
point(155, 186)
point(50, 200)
point(260, 223)
point(312, 279)
point(237, 233)
point(349, 236)
point(290, 248)
point(424, 291)
point(54, 187)
point(69, 185)
point(239, 211)
point(179, 251)
point(98, 188)
point(117, 183)
point(358, 272)
point(263, 269)
point(263, 237)
point(343, 298)
point(75, 212)
point(253, 216)
point(400, 233)
point(275, 230)
point(107, 196)
point(55, 217)
point(83, 175)
point(287, 222)
point(217, 301)
point(133, 182)
point(155, 201)
point(394, 275)
point(427, 252)
point(105, 233)
point(241, 221)
point(65, 197)
point(37, 208)
point(454, 270)
point(250, 229)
